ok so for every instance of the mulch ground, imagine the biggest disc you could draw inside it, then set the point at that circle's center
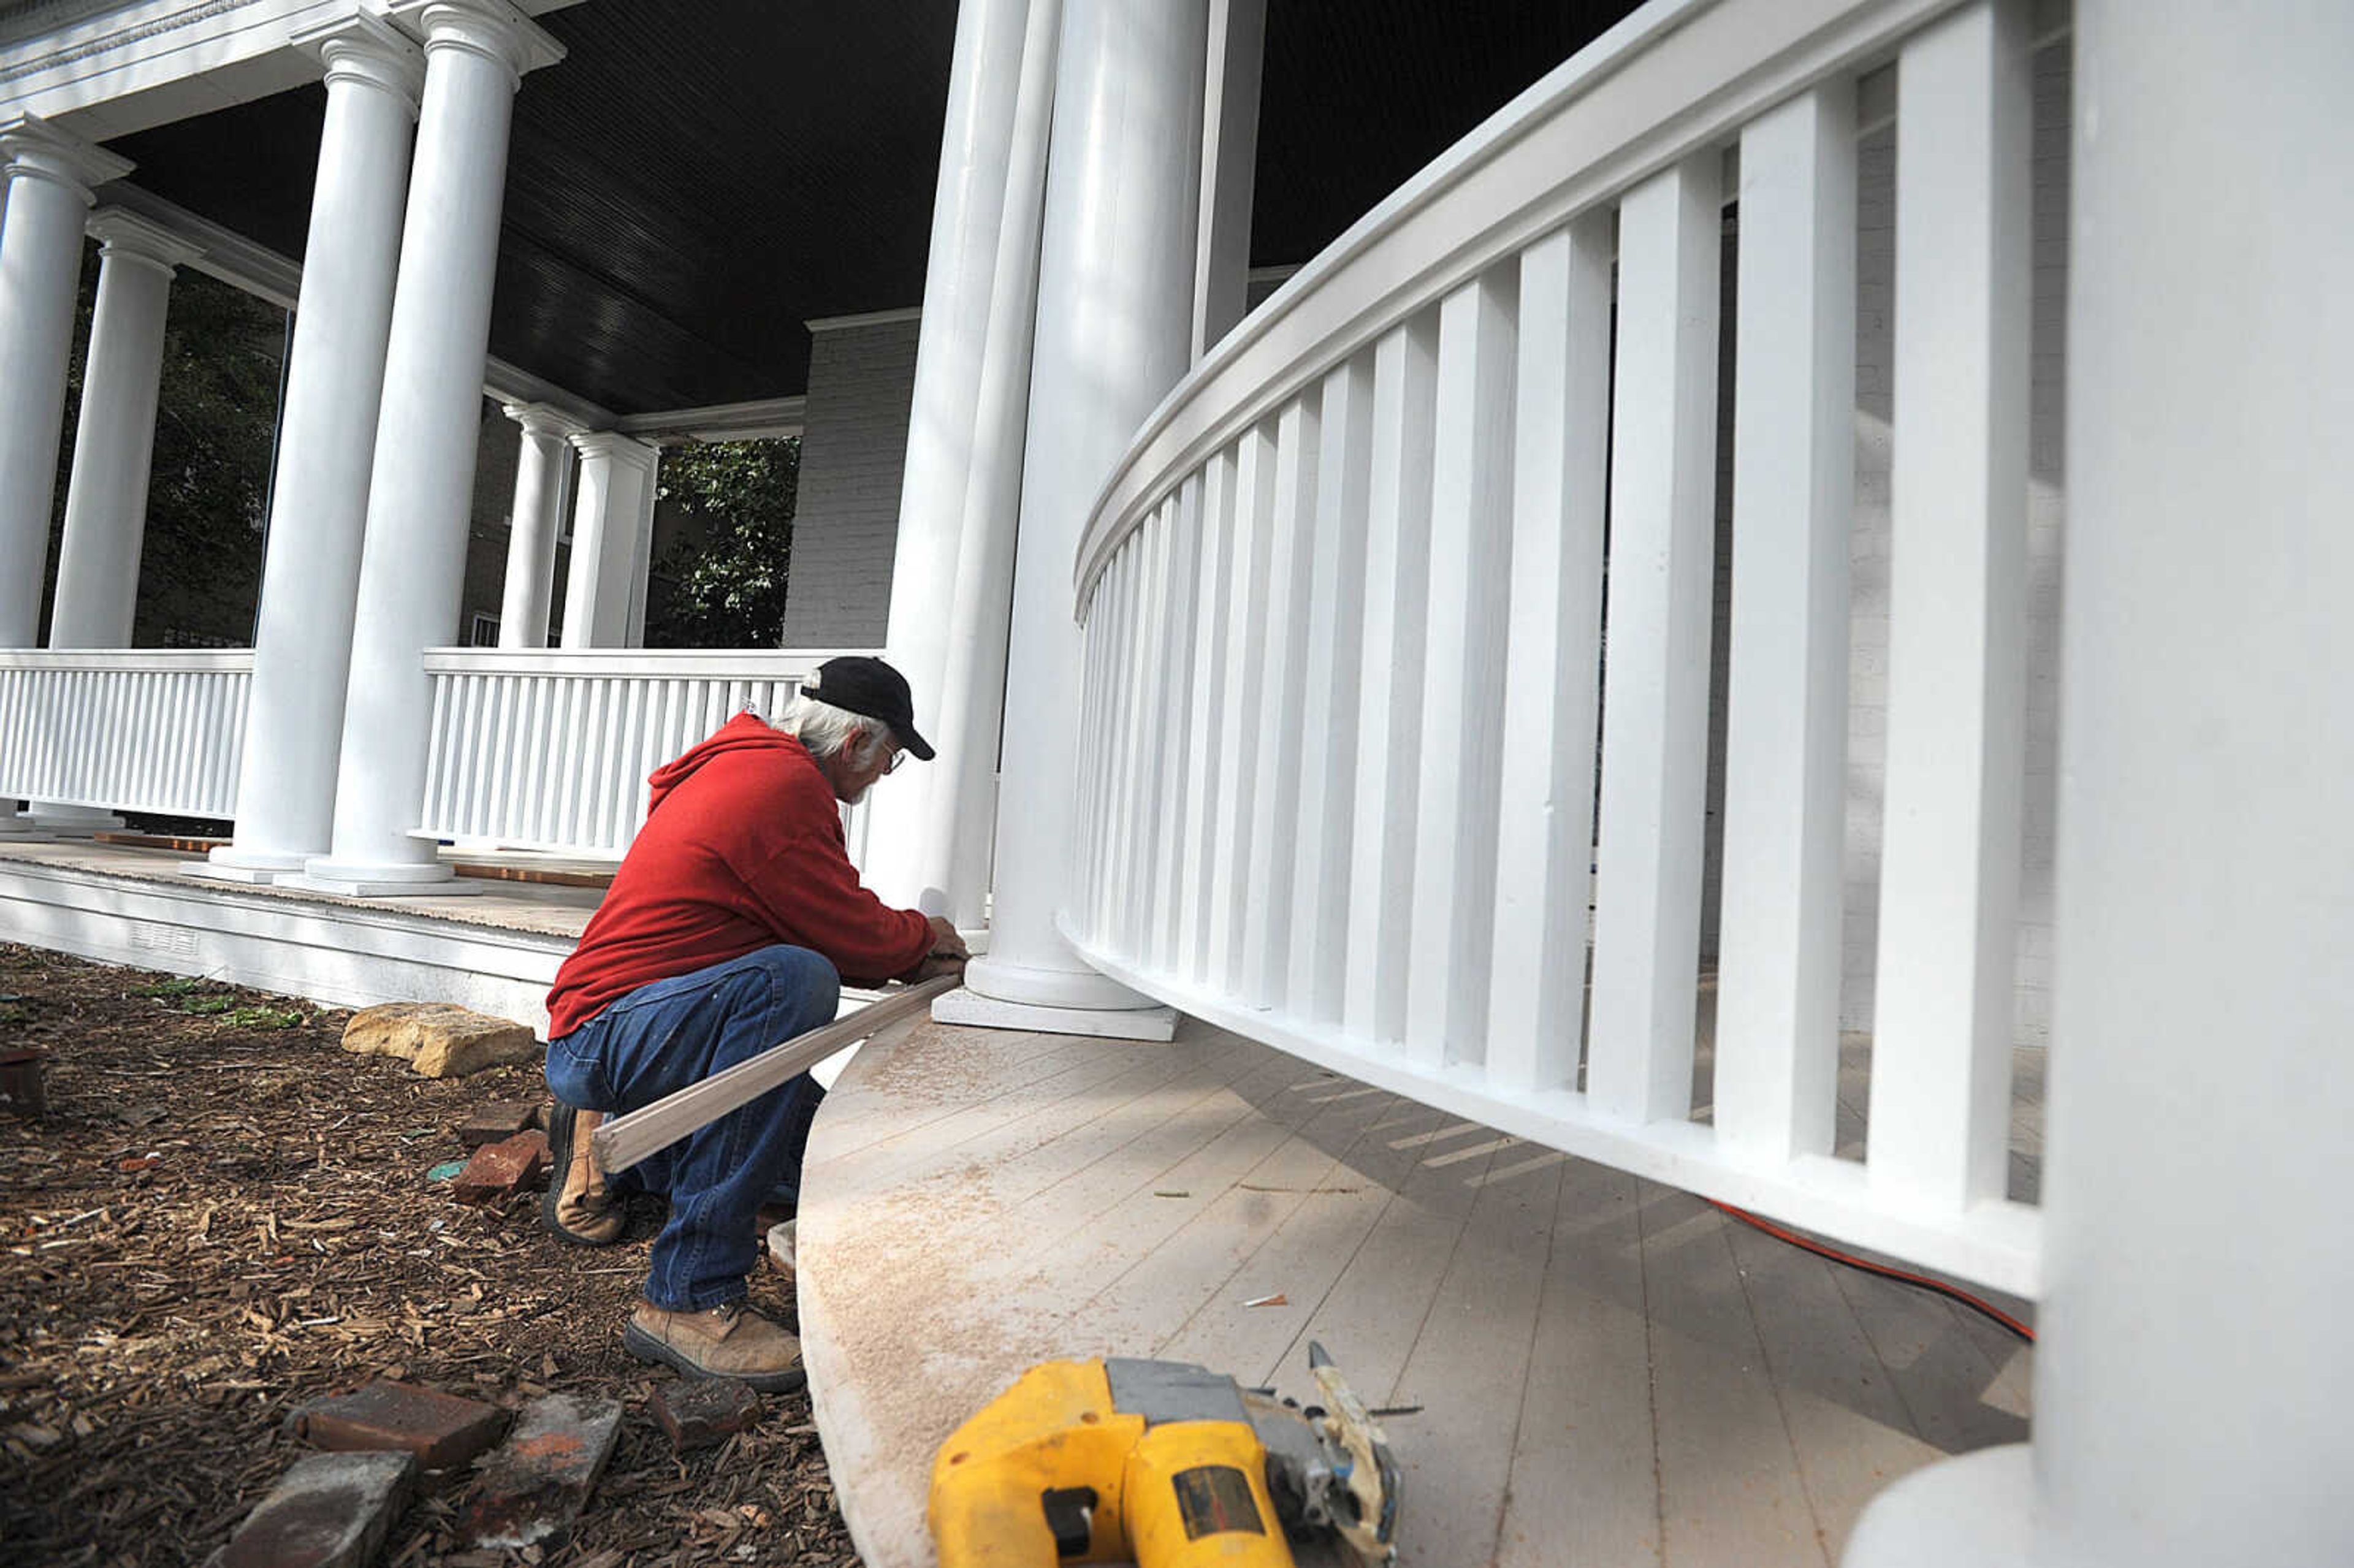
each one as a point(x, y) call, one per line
point(224, 1215)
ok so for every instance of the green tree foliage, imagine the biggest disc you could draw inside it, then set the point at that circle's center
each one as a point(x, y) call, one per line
point(725, 574)
point(200, 567)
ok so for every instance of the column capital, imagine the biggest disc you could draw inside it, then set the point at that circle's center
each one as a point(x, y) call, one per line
point(123, 235)
point(32, 148)
point(543, 419)
point(495, 30)
point(365, 49)
point(616, 446)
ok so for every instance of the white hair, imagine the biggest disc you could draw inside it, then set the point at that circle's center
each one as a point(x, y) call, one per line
point(826, 729)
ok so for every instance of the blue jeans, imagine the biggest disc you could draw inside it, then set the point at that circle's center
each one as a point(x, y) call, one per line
point(662, 1037)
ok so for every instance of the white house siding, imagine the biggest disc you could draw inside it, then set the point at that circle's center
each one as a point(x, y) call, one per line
point(1869, 565)
point(853, 445)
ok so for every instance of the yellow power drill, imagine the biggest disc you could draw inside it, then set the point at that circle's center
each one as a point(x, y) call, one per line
point(1164, 1464)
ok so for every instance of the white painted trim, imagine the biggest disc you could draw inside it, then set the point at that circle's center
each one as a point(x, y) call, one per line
point(665, 663)
point(865, 318)
point(144, 660)
point(760, 419)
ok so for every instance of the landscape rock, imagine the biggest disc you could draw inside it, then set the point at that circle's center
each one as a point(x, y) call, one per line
point(438, 1039)
point(439, 1429)
point(535, 1485)
point(331, 1511)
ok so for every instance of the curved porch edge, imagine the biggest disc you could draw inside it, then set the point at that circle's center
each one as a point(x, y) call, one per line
point(1588, 1365)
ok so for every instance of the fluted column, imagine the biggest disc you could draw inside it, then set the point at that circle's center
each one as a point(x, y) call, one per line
point(420, 486)
point(540, 474)
point(114, 446)
point(611, 515)
point(334, 383)
point(45, 177)
point(1116, 257)
point(977, 163)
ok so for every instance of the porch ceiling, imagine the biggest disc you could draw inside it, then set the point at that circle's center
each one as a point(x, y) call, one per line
point(680, 199)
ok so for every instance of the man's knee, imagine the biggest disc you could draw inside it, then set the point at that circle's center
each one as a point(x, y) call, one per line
point(804, 986)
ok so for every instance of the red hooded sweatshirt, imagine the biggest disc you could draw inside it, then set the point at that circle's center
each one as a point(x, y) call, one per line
point(742, 849)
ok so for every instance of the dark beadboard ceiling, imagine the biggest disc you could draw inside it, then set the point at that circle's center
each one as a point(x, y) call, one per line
point(682, 196)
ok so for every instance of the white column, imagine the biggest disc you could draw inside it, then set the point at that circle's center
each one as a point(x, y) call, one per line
point(961, 815)
point(420, 487)
point(540, 474)
point(642, 551)
point(114, 444)
point(45, 177)
point(1229, 168)
point(2193, 1368)
point(612, 512)
point(975, 168)
point(1116, 257)
point(334, 383)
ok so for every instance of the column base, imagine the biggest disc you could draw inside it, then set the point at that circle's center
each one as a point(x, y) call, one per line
point(1968, 1512)
point(247, 868)
point(54, 822)
point(360, 879)
point(969, 1006)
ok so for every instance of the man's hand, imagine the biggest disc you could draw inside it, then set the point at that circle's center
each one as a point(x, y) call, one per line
point(946, 943)
point(938, 964)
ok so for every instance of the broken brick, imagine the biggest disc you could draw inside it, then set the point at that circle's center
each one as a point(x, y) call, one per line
point(498, 1121)
point(535, 1485)
point(330, 1510)
point(440, 1429)
point(21, 1086)
point(499, 1171)
point(699, 1411)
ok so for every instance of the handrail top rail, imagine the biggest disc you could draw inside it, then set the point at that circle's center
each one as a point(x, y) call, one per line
point(654, 664)
point(137, 661)
point(1670, 80)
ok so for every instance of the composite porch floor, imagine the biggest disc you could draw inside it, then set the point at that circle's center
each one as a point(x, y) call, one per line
point(1601, 1370)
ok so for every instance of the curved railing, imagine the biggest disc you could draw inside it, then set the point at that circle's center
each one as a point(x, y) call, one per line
point(1344, 607)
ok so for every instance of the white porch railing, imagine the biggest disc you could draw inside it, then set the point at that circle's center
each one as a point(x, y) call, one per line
point(1345, 603)
point(549, 750)
point(124, 729)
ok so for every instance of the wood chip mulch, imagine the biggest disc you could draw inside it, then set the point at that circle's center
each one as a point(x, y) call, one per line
point(224, 1215)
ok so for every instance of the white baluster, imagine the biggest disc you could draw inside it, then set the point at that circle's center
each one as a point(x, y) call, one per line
point(1453, 907)
point(1202, 771)
point(1545, 842)
point(1140, 893)
point(1267, 887)
point(1317, 952)
point(1241, 771)
point(1655, 698)
point(1396, 550)
point(1786, 728)
point(1167, 875)
point(1956, 621)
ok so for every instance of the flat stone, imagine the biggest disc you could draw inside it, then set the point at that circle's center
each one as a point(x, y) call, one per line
point(331, 1511)
point(499, 1171)
point(536, 1484)
point(696, 1413)
point(439, 1429)
point(438, 1039)
point(497, 1121)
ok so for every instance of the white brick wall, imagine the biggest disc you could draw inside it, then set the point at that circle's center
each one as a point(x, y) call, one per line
point(853, 445)
point(1869, 564)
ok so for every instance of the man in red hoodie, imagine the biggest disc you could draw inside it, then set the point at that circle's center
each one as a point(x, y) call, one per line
point(729, 928)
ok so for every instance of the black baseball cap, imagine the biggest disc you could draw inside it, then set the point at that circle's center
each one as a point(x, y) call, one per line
point(859, 684)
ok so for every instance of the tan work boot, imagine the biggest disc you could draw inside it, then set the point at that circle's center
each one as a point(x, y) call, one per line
point(728, 1340)
point(579, 1207)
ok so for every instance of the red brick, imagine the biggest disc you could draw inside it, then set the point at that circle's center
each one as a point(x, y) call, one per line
point(498, 1121)
point(539, 1481)
point(439, 1429)
point(331, 1511)
point(698, 1412)
point(499, 1171)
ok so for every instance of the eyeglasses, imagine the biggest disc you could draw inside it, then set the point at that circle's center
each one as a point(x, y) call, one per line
point(892, 766)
